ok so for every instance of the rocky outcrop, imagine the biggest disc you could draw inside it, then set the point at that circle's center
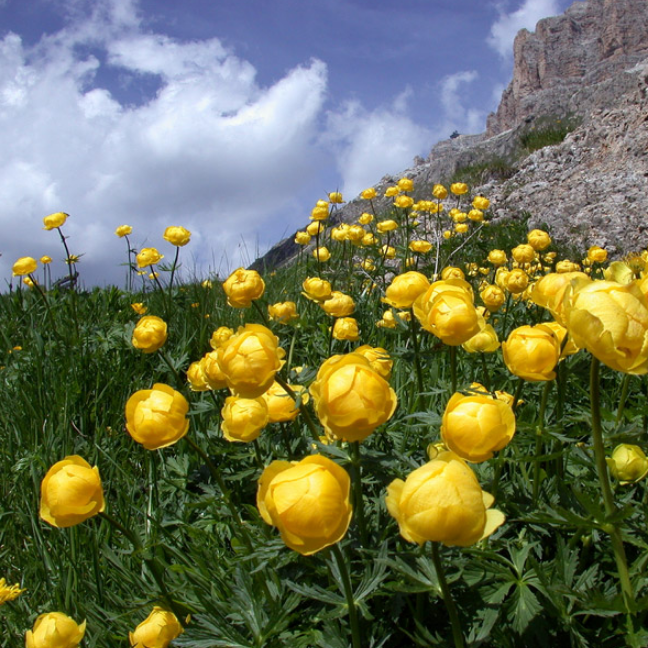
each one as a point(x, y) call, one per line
point(573, 61)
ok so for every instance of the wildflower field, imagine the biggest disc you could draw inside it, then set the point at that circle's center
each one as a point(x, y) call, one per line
point(427, 430)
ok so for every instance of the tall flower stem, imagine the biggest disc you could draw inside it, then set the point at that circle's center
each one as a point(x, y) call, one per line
point(173, 269)
point(68, 260)
point(453, 368)
point(457, 635)
point(623, 397)
point(606, 489)
point(538, 442)
point(356, 462)
point(417, 359)
point(348, 593)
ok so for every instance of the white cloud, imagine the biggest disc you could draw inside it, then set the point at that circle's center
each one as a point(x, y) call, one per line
point(212, 150)
point(371, 144)
point(503, 31)
point(454, 97)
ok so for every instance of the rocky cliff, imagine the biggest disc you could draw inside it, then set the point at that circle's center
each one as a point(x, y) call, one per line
point(589, 68)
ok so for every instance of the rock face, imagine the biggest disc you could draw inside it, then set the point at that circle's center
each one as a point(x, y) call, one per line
point(589, 65)
point(573, 61)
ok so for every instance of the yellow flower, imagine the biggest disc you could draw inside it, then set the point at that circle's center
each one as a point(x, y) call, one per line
point(442, 501)
point(461, 228)
point(149, 334)
point(392, 191)
point(378, 359)
point(386, 226)
point(335, 198)
point(55, 220)
point(405, 184)
point(597, 254)
point(516, 281)
point(388, 251)
point(485, 341)
point(610, 320)
point(452, 272)
point(476, 425)
point(368, 265)
point(158, 630)
point(346, 328)
point(71, 492)
point(493, 297)
point(46, 259)
point(283, 312)
point(387, 320)
point(123, 230)
point(55, 630)
point(480, 202)
point(567, 266)
point(148, 257)
point(420, 247)
point(476, 215)
point(539, 239)
point(321, 254)
point(368, 194)
point(24, 266)
point(243, 418)
point(309, 502)
point(212, 371)
point(365, 218)
point(219, 336)
point(338, 304)
point(242, 287)
point(620, 272)
point(250, 360)
point(549, 291)
point(177, 235)
point(316, 228)
point(532, 353)
point(628, 463)
point(156, 417)
point(439, 192)
point(316, 289)
point(196, 377)
point(351, 398)
point(497, 257)
point(404, 202)
point(139, 308)
point(302, 238)
point(405, 288)
point(9, 592)
point(523, 253)
point(459, 188)
point(281, 405)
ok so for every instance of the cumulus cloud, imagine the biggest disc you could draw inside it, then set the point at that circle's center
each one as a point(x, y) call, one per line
point(372, 143)
point(503, 31)
point(211, 149)
point(454, 99)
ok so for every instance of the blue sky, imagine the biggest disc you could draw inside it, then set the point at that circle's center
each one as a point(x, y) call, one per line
point(231, 119)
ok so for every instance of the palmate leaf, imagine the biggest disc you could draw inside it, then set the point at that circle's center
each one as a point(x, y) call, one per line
point(525, 607)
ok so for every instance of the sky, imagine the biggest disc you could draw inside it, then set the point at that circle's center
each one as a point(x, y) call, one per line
point(228, 118)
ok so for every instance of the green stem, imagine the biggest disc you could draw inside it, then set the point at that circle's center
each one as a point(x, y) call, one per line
point(302, 408)
point(623, 397)
point(356, 462)
point(453, 368)
point(417, 359)
point(68, 260)
point(447, 598)
point(348, 593)
point(538, 444)
point(176, 375)
point(173, 269)
point(606, 489)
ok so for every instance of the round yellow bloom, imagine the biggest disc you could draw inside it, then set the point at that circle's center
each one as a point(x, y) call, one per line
point(309, 502)
point(597, 254)
point(386, 226)
point(220, 336)
point(158, 630)
point(250, 360)
point(476, 215)
point(459, 188)
point(388, 251)
point(539, 239)
point(55, 630)
point(123, 230)
point(24, 266)
point(196, 377)
point(55, 220)
point(387, 320)
point(461, 228)
point(405, 288)
point(316, 228)
point(420, 247)
point(71, 492)
point(475, 426)
point(319, 213)
point(620, 272)
point(243, 418)
point(365, 219)
point(516, 281)
point(378, 359)
point(485, 341)
point(340, 233)
point(404, 202)
point(346, 328)
point(497, 257)
point(351, 398)
point(156, 417)
point(316, 289)
point(150, 334)
point(212, 371)
point(369, 239)
point(356, 233)
point(46, 259)
point(567, 266)
point(610, 320)
point(283, 312)
point(321, 254)
point(335, 198)
point(532, 353)
point(628, 463)
point(392, 191)
point(406, 184)
point(442, 501)
point(242, 287)
point(368, 194)
point(281, 405)
point(481, 202)
point(368, 265)
point(523, 253)
point(439, 192)
point(148, 257)
point(493, 297)
point(549, 291)
point(302, 238)
point(177, 235)
point(338, 304)
point(452, 272)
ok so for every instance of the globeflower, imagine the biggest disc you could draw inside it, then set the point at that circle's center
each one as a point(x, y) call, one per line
point(242, 287)
point(439, 192)
point(346, 328)
point(308, 501)
point(24, 266)
point(486, 341)
point(281, 405)
point(532, 353)
point(149, 334)
point(368, 194)
point(71, 492)
point(597, 254)
point(338, 304)
point(9, 592)
point(335, 198)
point(442, 501)
point(243, 418)
point(539, 239)
point(459, 188)
point(628, 463)
point(148, 257)
point(405, 184)
point(158, 630)
point(481, 202)
point(176, 235)
point(321, 254)
point(220, 336)
point(156, 417)
point(405, 288)
point(123, 230)
point(55, 630)
point(316, 289)
point(283, 312)
point(55, 220)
